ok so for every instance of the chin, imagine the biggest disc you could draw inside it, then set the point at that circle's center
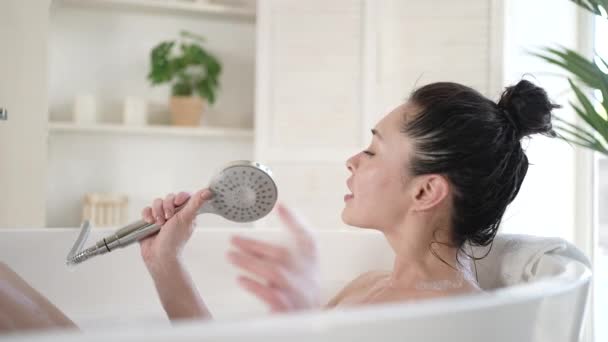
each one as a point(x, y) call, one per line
point(354, 221)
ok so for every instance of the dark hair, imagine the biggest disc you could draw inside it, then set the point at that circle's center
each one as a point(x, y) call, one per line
point(475, 143)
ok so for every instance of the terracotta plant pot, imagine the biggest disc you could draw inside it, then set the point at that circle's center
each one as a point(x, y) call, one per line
point(186, 110)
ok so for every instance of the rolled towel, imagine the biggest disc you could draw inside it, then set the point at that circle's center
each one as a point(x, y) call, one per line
point(516, 258)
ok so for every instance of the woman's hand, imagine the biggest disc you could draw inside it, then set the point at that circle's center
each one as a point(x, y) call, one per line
point(176, 230)
point(162, 254)
point(290, 277)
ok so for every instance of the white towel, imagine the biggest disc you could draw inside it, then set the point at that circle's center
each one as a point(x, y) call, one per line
point(515, 259)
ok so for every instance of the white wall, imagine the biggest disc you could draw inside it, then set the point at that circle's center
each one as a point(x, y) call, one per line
point(105, 51)
point(422, 42)
point(24, 94)
point(546, 202)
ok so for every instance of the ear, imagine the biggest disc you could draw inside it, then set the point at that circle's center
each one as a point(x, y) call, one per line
point(430, 191)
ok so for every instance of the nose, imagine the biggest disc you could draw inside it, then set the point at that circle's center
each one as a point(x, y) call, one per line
point(351, 163)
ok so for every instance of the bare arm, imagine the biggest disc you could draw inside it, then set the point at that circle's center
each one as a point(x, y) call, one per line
point(22, 307)
point(162, 255)
point(177, 292)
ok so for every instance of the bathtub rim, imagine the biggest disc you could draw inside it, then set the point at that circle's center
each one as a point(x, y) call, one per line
point(575, 275)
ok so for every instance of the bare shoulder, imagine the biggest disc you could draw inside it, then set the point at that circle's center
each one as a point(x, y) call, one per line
point(374, 287)
point(360, 281)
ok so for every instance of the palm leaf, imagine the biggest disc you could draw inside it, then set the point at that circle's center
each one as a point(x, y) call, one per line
point(581, 135)
point(593, 5)
point(589, 114)
point(570, 126)
point(584, 70)
point(580, 138)
point(590, 74)
point(584, 145)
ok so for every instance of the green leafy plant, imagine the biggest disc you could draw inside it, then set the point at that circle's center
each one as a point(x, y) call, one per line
point(191, 70)
point(584, 73)
point(594, 6)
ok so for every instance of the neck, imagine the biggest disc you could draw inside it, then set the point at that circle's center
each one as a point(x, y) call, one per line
point(420, 243)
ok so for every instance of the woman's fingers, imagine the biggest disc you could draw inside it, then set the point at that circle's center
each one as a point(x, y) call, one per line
point(292, 221)
point(273, 297)
point(269, 271)
point(168, 207)
point(181, 198)
point(297, 227)
point(146, 215)
point(262, 249)
point(158, 212)
point(287, 278)
point(162, 210)
point(189, 212)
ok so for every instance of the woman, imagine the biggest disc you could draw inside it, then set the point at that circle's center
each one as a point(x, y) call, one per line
point(438, 176)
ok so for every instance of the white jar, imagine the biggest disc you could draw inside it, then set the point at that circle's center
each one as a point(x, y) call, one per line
point(134, 111)
point(85, 110)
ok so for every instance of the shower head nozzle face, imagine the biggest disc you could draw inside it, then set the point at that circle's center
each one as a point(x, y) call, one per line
point(244, 191)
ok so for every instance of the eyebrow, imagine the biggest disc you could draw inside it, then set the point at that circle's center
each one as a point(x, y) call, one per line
point(376, 133)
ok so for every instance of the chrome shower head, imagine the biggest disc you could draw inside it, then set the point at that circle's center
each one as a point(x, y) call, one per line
point(243, 191)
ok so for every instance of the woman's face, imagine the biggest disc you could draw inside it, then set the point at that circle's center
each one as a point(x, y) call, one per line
point(380, 180)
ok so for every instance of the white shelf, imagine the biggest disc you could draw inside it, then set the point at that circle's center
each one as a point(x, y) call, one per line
point(106, 128)
point(164, 6)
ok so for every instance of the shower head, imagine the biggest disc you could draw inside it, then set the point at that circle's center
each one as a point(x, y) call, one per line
point(243, 191)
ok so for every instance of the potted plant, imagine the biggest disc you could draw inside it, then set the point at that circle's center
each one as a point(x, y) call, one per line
point(592, 75)
point(192, 72)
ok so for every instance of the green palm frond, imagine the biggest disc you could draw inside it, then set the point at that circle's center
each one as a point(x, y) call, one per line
point(593, 5)
point(584, 70)
point(588, 74)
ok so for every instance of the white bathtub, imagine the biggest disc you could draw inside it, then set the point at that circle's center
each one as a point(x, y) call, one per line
point(112, 297)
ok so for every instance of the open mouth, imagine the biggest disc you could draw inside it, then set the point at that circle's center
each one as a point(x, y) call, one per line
point(348, 196)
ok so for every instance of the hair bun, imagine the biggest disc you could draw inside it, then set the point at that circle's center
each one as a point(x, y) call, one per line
point(529, 109)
